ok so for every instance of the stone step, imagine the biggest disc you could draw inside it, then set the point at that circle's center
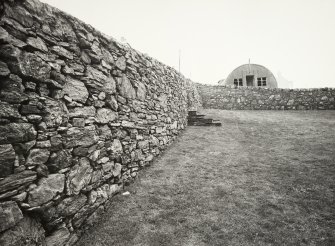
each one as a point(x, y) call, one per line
point(204, 124)
point(196, 116)
point(192, 112)
point(195, 119)
point(201, 120)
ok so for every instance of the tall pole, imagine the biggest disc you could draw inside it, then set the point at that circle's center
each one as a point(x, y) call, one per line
point(179, 62)
point(249, 65)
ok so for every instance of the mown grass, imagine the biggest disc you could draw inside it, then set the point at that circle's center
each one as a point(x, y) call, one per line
point(263, 178)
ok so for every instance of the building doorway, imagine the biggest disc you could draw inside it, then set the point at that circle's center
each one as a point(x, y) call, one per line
point(250, 80)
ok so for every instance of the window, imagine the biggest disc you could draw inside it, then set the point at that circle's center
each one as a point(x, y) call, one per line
point(238, 82)
point(264, 81)
point(261, 81)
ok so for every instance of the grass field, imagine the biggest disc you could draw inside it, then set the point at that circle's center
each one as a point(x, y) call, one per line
point(263, 178)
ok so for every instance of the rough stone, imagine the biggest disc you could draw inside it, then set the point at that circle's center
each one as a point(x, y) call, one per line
point(105, 131)
point(138, 155)
point(9, 52)
point(78, 122)
point(43, 144)
point(34, 118)
point(79, 177)
point(95, 74)
point(76, 90)
point(85, 58)
point(12, 90)
point(121, 63)
point(4, 36)
point(28, 232)
point(9, 111)
point(55, 113)
point(56, 142)
point(141, 91)
point(32, 66)
point(112, 103)
point(37, 43)
point(82, 112)
point(70, 205)
point(42, 170)
point(105, 115)
point(116, 148)
point(4, 71)
point(62, 52)
point(143, 144)
point(100, 81)
point(58, 238)
point(80, 136)
point(46, 189)
point(10, 215)
point(59, 160)
point(37, 156)
point(20, 14)
point(17, 132)
point(117, 170)
point(7, 159)
point(23, 148)
point(125, 88)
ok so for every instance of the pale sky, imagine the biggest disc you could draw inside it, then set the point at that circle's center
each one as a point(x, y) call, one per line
point(295, 37)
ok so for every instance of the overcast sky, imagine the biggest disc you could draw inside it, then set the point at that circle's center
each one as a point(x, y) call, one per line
point(295, 37)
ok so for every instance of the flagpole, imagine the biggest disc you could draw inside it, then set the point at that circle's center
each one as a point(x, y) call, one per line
point(179, 62)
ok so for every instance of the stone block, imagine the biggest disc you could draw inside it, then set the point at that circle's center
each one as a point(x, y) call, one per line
point(4, 71)
point(105, 115)
point(82, 112)
point(80, 136)
point(37, 156)
point(78, 122)
point(79, 177)
point(59, 160)
point(37, 43)
point(121, 63)
point(125, 88)
point(76, 90)
point(17, 132)
point(28, 232)
point(10, 215)
point(31, 66)
point(46, 189)
point(70, 205)
point(62, 52)
point(115, 149)
point(58, 238)
point(7, 159)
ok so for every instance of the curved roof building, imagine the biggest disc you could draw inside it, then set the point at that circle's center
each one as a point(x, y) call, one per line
point(251, 75)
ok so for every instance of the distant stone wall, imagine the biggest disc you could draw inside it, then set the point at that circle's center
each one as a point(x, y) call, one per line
point(256, 98)
point(80, 115)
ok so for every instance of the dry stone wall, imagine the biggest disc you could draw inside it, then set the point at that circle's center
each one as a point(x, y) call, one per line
point(256, 98)
point(80, 115)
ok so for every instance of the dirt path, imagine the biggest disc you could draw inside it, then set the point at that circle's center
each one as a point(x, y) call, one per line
point(263, 178)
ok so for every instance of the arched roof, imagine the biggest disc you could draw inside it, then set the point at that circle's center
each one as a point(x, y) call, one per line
point(252, 69)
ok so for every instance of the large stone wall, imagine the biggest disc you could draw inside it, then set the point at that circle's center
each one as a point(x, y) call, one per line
point(256, 98)
point(80, 115)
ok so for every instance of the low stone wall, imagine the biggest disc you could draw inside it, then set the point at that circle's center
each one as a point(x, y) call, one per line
point(256, 98)
point(80, 115)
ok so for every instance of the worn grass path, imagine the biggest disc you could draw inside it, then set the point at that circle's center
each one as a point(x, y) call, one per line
point(263, 178)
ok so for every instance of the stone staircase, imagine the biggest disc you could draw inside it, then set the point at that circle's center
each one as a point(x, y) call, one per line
point(195, 119)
